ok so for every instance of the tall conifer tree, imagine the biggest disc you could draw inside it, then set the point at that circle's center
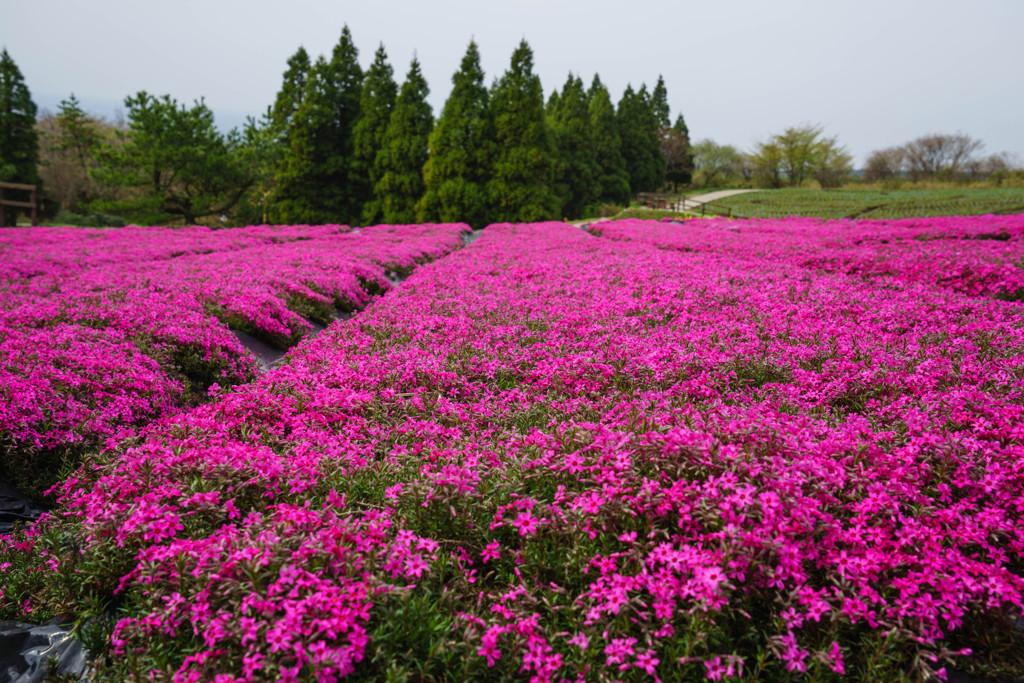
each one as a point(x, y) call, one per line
point(520, 185)
point(318, 182)
point(641, 145)
point(375, 105)
point(612, 184)
point(576, 166)
point(404, 152)
point(659, 103)
point(459, 165)
point(19, 142)
point(293, 86)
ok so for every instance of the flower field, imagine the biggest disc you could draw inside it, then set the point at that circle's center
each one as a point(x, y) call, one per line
point(106, 329)
point(745, 450)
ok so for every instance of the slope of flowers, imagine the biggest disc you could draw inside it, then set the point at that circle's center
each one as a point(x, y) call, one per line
point(561, 457)
point(105, 329)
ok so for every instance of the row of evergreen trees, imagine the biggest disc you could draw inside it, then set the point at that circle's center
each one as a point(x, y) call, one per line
point(344, 145)
point(351, 146)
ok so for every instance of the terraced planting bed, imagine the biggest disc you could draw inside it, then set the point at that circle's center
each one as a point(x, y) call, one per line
point(721, 449)
point(884, 204)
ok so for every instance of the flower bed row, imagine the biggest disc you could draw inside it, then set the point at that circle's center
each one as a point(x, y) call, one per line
point(95, 340)
point(975, 255)
point(555, 456)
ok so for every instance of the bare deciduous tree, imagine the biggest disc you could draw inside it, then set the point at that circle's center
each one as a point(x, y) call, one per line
point(939, 156)
point(884, 164)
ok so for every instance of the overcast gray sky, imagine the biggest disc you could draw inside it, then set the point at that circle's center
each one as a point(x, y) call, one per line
point(872, 72)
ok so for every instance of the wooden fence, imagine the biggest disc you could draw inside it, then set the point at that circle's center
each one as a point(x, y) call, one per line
point(31, 204)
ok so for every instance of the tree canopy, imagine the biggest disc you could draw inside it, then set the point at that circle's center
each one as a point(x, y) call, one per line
point(797, 155)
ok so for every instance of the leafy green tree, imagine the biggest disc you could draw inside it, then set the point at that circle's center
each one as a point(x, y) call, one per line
point(715, 163)
point(461, 150)
point(376, 103)
point(174, 161)
point(318, 181)
point(576, 165)
point(641, 146)
point(798, 154)
point(612, 183)
point(766, 162)
point(520, 185)
point(19, 141)
point(404, 150)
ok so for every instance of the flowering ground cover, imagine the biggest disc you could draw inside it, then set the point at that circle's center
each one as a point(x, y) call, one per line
point(563, 456)
point(106, 329)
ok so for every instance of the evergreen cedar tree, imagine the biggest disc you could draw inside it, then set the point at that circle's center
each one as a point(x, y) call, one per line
point(19, 141)
point(318, 181)
point(461, 149)
point(613, 177)
point(404, 151)
point(521, 178)
point(290, 95)
point(641, 147)
point(376, 102)
point(576, 166)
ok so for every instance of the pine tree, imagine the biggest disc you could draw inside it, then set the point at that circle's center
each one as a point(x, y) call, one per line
point(520, 185)
point(317, 182)
point(641, 146)
point(174, 162)
point(19, 141)
point(459, 166)
point(659, 103)
point(612, 184)
point(576, 166)
point(404, 152)
point(79, 135)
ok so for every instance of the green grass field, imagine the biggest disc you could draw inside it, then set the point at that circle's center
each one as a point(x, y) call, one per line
point(874, 203)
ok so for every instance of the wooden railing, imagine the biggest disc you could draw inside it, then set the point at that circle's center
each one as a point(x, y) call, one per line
point(31, 204)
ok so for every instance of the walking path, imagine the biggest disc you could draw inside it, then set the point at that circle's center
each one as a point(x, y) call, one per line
point(700, 200)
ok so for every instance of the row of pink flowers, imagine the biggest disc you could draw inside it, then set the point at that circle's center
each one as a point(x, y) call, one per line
point(103, 328)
